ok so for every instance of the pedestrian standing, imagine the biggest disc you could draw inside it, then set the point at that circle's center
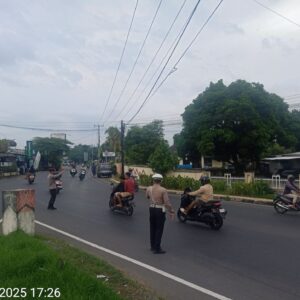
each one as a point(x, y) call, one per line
point(94, 169)
point(52, 186)
point(159, 203)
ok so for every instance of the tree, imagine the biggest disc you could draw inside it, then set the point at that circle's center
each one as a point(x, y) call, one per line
point(76, 153)
point(162, 159)
point(140, 142)
point(113, 140)
point(295, 126)
point(3, 146)
point(51, 149)
point(235, 123)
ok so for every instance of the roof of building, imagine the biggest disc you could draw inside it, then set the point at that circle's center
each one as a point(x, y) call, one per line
point(282, 158)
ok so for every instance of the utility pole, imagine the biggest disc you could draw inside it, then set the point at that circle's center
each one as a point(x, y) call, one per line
point(98, 156)
point(122, 146)
point(98, 132)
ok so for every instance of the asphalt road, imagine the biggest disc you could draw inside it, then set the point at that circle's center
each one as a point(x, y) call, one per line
point(254, 256)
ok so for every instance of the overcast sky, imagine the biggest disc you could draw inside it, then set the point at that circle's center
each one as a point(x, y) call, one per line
point(58, 59)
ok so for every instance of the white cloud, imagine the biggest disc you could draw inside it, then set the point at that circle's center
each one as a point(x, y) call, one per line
point(58, 58)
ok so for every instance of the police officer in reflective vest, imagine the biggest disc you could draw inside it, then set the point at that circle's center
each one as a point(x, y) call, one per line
point(159, 203)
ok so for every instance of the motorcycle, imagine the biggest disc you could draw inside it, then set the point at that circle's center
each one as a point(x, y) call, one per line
point(283, 204)
point(82, 175)
point(31, 178)
point(210, 213)
point(136, 184)
point(73, 172)
point(127, 204)
point(59, 185)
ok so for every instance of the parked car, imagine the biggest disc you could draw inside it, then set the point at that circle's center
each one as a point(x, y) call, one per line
point(104, 170)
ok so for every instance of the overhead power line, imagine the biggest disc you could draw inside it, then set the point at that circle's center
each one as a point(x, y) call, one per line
point(170, 56)
point(121, 58)
point(187, 48)
point(276, 13)
point(136, 60)
point(153, 59)
point(175, 65)
point(156, 71)
point(47, 129)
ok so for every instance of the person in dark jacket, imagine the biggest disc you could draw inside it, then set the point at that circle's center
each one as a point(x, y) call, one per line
point(118, 189)
point(291, 190)
point(52, 177)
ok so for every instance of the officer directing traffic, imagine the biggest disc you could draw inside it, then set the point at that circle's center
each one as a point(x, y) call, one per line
point(159, 203)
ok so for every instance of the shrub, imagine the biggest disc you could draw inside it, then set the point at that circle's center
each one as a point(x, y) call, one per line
point(219, 186)
point(255, 189)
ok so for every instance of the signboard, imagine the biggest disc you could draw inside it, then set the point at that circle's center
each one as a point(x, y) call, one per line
point(29, 150)
point(37, 160)
point(59, 135)
point(109, 154)
point(85, 156)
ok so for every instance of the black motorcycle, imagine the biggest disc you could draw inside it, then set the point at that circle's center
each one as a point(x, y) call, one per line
point(127, 203)
point(31, 178)
point(282, 204)
point(82, 175)
point(210, 213)
point(73, 172)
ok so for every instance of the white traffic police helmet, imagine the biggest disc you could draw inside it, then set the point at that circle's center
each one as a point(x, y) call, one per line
point(157, 176)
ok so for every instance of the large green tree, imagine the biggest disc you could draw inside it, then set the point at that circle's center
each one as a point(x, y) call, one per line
point(51, 149)
point(162, 159)
point(235, 123)
point(140, 142)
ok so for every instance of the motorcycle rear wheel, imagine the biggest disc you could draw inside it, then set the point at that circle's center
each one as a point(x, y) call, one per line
point(279, 209)
point(130, 210)
point(216, 222)
point(111, 204)
point(181, 217)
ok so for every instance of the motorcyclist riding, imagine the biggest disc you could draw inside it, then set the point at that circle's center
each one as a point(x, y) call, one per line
point(291, 190)
point(128, 190)
point(30, 171)
point(205, 193)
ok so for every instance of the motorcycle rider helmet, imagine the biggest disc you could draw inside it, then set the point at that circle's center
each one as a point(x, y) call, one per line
point(291, 178)
point(204, 180)
point(187, 190)
point(157, 177)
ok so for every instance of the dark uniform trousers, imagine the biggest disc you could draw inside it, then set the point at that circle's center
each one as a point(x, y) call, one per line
point(157, 222)
point(53, 193)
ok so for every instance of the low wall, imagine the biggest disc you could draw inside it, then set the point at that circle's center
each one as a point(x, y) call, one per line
point(8, 174)
point(142, 170)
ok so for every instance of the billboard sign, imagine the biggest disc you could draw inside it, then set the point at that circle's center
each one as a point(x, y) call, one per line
point(29, 149)
point(85, 156)
point(109, 154)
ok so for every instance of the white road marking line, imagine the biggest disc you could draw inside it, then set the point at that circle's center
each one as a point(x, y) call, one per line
point(139, 263)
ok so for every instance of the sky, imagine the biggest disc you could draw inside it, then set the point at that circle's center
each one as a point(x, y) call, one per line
point(59, 58)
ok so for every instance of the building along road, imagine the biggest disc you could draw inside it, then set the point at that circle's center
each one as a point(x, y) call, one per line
point(254, 256)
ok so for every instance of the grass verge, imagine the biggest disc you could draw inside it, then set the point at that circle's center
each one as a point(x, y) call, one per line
point(39, 262)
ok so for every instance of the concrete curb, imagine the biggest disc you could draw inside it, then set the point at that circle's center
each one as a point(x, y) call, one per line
point(261, 201)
